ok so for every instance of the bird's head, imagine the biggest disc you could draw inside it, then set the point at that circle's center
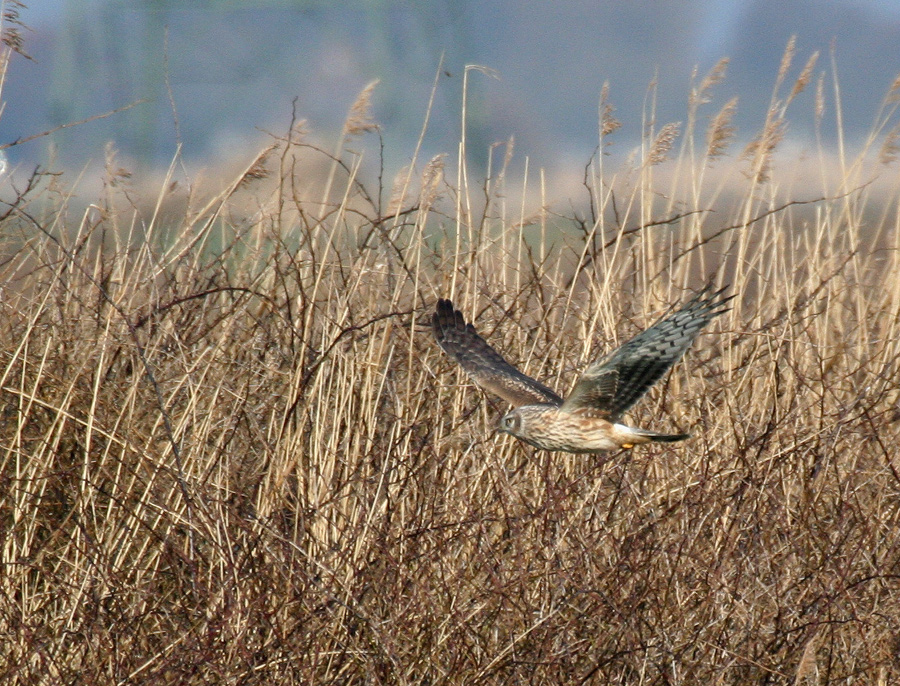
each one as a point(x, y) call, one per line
point(512, 423)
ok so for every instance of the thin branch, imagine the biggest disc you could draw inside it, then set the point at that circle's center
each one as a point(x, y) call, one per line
point(28, 139)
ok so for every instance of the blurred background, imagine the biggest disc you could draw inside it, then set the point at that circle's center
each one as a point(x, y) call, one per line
point(235, 67)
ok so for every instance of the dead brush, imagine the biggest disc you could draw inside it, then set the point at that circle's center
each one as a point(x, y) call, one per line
point(230, 450)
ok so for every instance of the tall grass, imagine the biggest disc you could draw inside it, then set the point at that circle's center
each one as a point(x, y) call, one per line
point(230, 451)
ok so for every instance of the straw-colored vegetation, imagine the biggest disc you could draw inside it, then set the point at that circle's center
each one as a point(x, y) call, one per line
point(230, 451)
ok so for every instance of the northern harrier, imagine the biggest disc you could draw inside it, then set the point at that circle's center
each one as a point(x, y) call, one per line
point(587, 421)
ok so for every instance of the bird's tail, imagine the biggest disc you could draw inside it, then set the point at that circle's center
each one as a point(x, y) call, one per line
point(645, 436)
point(668, 438)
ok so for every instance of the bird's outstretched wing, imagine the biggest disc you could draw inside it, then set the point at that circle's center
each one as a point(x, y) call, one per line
point(616, 382)
point(482, 363)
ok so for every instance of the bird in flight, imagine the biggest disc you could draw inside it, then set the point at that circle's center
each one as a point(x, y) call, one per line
point(587, 421)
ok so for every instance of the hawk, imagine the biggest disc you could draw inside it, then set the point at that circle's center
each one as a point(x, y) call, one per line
point(587, 420)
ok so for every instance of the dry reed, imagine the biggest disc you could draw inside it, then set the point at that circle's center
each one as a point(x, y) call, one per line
point(230, 451)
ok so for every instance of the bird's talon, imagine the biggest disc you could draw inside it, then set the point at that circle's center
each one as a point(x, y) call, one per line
point(628, 446)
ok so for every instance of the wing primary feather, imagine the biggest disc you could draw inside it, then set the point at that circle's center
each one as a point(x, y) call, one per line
point(484, 365)
point(639, 363)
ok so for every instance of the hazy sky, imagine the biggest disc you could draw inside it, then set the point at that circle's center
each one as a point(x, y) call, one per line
point(235, 67)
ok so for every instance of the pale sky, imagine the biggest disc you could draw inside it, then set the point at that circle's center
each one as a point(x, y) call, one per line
point(236, 67)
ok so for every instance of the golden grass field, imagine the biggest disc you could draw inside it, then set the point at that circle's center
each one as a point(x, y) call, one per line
point(231, 452)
